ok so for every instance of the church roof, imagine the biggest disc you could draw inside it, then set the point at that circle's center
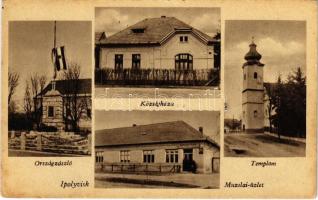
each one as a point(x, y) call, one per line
point(167, 132)
point(154, 31)
point(252, 56)
point(84, 87)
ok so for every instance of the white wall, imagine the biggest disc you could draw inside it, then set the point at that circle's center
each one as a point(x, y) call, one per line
point(162, 57)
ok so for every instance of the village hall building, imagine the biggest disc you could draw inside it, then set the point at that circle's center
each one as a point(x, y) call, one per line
point(54, 97)
point(162, 147)
point(157, 43)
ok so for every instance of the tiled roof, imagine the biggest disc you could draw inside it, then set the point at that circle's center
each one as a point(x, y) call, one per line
point(84, 85)
point(176, 131)
point(156, 31)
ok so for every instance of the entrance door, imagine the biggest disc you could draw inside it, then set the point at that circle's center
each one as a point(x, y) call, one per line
point(188, 160)
point(216, 164)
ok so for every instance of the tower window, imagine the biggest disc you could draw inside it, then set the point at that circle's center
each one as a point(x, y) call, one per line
point(244, 76)
point(255, 75)
point(255, 113)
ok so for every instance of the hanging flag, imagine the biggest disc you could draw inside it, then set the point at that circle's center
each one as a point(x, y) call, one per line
point(59, 58)
point(53, 55)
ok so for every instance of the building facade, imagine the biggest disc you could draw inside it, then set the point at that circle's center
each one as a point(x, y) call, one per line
point(62, 100)
point(164, 147)
point(163, 48)
point(253, 92)
point(161, 43)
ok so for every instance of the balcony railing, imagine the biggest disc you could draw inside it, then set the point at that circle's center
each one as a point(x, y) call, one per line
point(157, 77)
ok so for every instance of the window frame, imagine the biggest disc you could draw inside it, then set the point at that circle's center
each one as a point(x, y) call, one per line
point(183, 62)
point(148, 156)
point(119, 62)
point(172, 156)
point(255, 75)
point(124, 156)
point(49, 111)
point(99, 156)
point(255, 114)
point(136, 61)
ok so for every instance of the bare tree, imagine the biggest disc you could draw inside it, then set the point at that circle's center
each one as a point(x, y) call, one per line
point(75, 104)
point(27, 101)
point(13, 83)
point(37, 85)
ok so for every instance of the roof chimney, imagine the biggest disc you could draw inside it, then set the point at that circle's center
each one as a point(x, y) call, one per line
point(134, 125)
point(163, 16)
point(201, 130)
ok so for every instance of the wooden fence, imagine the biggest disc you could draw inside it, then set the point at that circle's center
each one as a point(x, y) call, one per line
point(50, 142)
point(157, 77)
point(139, 168)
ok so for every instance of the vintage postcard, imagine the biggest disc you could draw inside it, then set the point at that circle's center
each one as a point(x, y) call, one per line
point(159, 99)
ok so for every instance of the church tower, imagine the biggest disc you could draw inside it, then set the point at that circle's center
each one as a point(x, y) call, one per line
point(253, 92)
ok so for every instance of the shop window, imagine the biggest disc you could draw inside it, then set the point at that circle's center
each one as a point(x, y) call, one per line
point(172, 156)
point(149, 156)
point(125, 156)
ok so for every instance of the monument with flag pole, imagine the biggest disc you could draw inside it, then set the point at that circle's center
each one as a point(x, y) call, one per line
point(52, 114)
point(66, 100)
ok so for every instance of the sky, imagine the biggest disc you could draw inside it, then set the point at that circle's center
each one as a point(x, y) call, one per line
point(282, 45)
point(209, 120)
point(31, 42)
point(112, 20)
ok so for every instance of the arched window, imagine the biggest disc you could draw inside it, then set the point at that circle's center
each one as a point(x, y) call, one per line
point(255, 113)
point(255, 75)
point(183, 61)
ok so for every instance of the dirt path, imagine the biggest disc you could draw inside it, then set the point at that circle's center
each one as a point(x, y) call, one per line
point(261, 145)
point(180, 180)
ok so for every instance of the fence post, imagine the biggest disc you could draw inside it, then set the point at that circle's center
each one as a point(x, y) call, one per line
point(39, 141)
point(22, 141)
point(12, 135)
point(89, 143)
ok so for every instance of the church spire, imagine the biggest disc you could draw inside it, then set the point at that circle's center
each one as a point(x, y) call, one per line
point(253, 55)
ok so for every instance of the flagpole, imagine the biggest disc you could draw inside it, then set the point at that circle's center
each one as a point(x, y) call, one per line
point(54, 47)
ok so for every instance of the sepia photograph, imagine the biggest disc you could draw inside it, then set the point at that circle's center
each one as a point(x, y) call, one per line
point(157, 149)
point(176, 50)
point(49, 88)
point(265, 88)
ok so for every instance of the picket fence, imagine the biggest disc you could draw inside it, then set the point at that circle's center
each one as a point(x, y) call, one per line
point(55, 142)
point(139, 168)
point(157, 77)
